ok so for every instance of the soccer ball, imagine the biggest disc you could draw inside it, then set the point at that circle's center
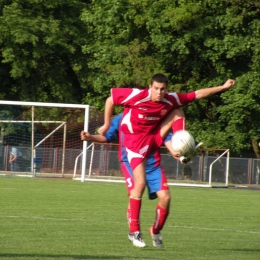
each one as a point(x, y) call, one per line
point(183, 142)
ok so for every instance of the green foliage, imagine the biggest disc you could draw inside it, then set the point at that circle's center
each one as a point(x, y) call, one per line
point(119, 52)
point(75, 51)
point(41, 46)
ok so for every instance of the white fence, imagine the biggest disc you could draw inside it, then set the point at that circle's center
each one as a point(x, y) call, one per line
point(105, 163)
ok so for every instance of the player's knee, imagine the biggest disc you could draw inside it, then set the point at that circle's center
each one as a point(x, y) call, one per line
point(164, 197)
point(139, 188)
point(140, 183)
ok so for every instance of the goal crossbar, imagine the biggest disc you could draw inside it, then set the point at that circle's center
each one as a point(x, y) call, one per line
point(60, 105)
point(42, 104)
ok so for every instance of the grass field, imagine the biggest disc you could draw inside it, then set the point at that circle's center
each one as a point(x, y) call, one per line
point(65, 219)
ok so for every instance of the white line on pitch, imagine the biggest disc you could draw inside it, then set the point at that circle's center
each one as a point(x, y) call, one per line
point(218, 229)
point(43, 218)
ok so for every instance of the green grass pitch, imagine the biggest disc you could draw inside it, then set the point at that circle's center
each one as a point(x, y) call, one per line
point(64, 219)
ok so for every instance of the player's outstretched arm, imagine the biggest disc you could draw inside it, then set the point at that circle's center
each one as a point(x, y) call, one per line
point(86, 136)
point(111, 134)
point(206, 92)
point(109, 106)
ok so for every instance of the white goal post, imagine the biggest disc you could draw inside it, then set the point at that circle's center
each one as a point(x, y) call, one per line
point(33, 121)
point(208, 170)
point(226, 169)
point(209, 176)
point(60, 150)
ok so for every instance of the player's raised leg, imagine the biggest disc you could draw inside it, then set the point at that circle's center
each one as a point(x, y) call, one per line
point(175, 120)
point(199, 149)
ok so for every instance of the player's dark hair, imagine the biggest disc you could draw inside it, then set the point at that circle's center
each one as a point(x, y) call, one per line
point(161, 78)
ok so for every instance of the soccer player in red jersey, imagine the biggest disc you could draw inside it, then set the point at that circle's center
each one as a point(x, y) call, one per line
point(145, 125)
point(156, 180)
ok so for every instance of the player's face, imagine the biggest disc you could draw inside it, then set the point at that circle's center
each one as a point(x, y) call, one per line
point(158, 91)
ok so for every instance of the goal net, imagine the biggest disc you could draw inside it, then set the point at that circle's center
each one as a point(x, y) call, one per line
point(211, 169)
point(43, 139)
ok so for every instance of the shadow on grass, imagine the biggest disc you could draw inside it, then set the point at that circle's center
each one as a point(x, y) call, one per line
point(243, 250)
point(44, 256)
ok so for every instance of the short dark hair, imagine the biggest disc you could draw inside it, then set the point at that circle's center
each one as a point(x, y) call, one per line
point(161, 78)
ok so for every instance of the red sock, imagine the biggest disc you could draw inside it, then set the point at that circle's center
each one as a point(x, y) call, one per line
point(178, 125)
point(135, 207)
point(128, 216)
point(161, 216)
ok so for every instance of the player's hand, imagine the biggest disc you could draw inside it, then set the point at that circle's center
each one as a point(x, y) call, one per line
point(228, 84)
point(176, 156)
point(85, 136)
point(103, 129)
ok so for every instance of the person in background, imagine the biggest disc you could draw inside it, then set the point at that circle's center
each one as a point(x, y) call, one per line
point(13, 160)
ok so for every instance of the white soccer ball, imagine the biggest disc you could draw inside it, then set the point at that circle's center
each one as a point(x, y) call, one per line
point(183, 142)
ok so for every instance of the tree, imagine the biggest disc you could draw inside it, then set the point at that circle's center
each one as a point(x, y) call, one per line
point(120, 53)
point(75, 51)
point(201, 44)
point(41, 54)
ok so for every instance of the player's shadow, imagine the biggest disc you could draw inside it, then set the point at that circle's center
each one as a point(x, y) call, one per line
point(243, 250)
point(46, 256)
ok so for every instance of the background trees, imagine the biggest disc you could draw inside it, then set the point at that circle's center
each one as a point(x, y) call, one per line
point(75, 51)
point(41, 50)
